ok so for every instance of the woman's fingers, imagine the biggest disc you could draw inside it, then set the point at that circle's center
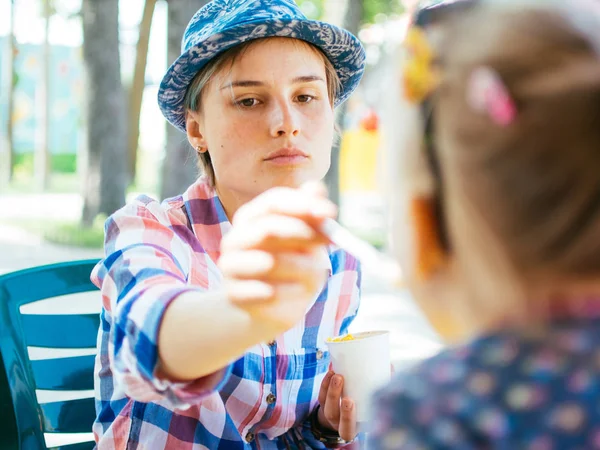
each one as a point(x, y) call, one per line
point(255, 277)
point(284, 309)
point(298, 203)
point(246, 264)
point(275, 267)
point(324, 388)
point(347, 423)
point(332, 402)
point(275, 234)
point(249, 293)
point(246, 292)
point(316, 188)
point(273, 259)
point(338, 413)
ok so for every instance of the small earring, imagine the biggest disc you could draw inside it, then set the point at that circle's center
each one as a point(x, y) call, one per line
point(199, 149)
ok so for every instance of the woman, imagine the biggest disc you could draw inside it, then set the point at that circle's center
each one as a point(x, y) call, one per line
point(217, 303)
point(503, 247)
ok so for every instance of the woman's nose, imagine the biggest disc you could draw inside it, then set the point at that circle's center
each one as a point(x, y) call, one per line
point(284, 120)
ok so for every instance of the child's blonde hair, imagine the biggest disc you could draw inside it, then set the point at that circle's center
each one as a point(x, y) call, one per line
point(535, 181)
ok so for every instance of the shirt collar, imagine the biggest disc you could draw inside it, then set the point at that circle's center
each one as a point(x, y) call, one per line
point(209, 221)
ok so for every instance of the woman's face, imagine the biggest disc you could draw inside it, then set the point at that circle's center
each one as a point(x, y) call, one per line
point(266, 120)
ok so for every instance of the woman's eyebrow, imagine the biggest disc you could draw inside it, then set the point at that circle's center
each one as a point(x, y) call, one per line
point(307, 79)
point(255, 83)
point(243, 83)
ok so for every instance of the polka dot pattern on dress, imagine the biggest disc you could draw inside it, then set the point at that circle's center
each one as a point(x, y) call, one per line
point(513, 390)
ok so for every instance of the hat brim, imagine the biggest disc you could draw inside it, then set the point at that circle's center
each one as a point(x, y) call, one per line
point(342, 48)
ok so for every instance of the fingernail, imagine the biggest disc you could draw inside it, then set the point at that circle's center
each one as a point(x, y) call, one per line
point(347, 404)
point(337, 380)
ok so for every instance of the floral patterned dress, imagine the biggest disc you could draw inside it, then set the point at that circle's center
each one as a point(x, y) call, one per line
point(535, 389)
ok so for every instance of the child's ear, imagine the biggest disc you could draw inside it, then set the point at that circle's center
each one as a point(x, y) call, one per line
point(429, 253)
point(434, 267)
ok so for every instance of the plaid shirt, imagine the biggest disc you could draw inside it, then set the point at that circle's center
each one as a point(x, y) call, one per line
point(156, 251)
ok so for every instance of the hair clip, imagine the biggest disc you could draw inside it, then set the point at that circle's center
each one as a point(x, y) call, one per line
point(419, 76)
point(487, 93)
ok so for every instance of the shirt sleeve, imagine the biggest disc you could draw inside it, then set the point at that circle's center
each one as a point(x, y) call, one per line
point(145, 269)
point(307, 437)
point(346, 281)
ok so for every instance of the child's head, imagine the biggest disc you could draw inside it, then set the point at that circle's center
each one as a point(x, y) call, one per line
point(512, 190)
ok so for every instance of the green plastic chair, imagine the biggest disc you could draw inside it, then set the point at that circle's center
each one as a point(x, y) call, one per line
point(23, 420)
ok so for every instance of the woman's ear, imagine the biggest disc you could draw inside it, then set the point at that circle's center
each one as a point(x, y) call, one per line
point(193, 127)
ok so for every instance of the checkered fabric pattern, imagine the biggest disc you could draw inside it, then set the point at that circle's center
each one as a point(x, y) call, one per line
point(155, 252)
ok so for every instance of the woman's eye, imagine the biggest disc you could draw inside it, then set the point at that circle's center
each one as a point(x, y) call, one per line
point(305, 98)
point(248, 102)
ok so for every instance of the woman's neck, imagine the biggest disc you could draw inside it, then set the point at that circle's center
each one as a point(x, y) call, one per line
point(231, 201)
point(234, 199)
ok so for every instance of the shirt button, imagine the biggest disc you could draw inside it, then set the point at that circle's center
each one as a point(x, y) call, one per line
point(249, 436)
point(319, 354)
point(271, 399)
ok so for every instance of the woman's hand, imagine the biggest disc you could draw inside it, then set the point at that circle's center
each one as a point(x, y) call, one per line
point(273, 259)
point(335, 412)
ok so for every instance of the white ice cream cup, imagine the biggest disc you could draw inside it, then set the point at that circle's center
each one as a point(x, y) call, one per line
point(365, 364)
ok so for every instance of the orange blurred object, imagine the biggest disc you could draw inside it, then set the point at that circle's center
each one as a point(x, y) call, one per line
point(370, 121)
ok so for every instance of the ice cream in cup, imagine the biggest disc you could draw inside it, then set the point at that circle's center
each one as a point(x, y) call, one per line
point(363, 359)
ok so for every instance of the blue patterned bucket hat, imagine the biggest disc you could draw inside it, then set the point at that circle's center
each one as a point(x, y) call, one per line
point(223, 24)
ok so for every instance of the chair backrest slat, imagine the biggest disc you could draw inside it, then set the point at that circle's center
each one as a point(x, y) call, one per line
point(70, 330)
point(22, 414)
point(78, 446)
point(40, 283)
point(64, 374)
point(73, 416)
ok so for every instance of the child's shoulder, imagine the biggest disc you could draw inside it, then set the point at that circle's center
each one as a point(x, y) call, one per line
point(491, 364)
point(501, 388)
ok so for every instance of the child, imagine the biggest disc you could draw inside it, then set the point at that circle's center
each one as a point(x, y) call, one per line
point(503, 249)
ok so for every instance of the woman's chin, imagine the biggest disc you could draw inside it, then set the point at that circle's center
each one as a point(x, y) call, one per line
point(291, 176)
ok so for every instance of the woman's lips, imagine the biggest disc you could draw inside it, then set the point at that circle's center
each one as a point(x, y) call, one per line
point(287, 156)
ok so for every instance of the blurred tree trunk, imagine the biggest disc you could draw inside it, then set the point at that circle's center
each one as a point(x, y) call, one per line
point(334, 10)
point(136, 90)
point(179, 164)
point(353, 12)
point(7, 153)
point(41, 166)
point(105, 180)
